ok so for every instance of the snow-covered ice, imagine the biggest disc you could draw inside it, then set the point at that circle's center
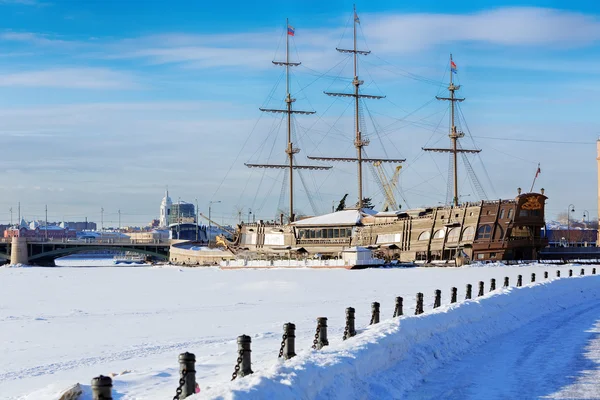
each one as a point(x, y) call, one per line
point(59, 326)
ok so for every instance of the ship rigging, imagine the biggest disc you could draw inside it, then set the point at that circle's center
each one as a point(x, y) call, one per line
point(359, 142)
point(455, 134)
point(289, 111)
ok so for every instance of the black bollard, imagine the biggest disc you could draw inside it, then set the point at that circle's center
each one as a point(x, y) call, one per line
point(102, 388)
point(532, 277)
point(398, 309)
point(469, 290)
point(288, 348)
point(320, 340)
point(187, 373)
point(454, 295)
point(506, 281)
point(374, 313)
point(419, 307)
point(492, 284)
point(480, 289)
point(545, 274)
point(244, 350)
point(593, 271)
point(558, 273)
point(519, 280)
point(349, 331)
point(438, 299)
point(582, 272)
point(570, 272)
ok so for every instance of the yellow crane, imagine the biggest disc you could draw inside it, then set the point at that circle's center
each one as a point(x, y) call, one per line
point(388, 186)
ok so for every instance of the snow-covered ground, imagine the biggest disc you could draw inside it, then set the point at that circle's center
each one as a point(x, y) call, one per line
point(59, 326)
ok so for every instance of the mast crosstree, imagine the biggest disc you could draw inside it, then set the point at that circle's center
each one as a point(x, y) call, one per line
point(454, 133)
point(359, 142)
point(290, 149)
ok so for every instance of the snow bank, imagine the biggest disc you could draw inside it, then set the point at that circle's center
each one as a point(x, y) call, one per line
point(393, 357)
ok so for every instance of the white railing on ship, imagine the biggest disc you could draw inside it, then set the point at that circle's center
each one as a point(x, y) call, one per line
point(284, 263)
point(295, 263)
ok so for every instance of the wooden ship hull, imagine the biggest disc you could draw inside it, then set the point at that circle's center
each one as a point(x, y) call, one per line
point(483, 231)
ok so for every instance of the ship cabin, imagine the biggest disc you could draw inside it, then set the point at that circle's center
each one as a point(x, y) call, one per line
point(329, 234)
point(481, 231)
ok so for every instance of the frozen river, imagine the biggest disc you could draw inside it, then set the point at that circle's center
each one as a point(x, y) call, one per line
point(59, 326)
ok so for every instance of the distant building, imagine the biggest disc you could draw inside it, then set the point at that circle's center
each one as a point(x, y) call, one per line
point(51, 232)
point(571, 237)
point(76, 226)
point(3, 228)
point(80, 226)
point(165, 211)
point(150, 236)
point(182, 212)
point(188, 231)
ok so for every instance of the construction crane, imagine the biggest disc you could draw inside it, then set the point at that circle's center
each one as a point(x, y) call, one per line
point(388, 187)
point(217, 225)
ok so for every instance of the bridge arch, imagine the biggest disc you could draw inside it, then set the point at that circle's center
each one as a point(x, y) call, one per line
point(61, 252)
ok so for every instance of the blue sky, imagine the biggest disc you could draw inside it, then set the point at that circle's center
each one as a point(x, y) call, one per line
point(104, 103)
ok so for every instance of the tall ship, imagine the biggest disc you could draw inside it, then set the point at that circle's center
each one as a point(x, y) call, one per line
point(354, 237)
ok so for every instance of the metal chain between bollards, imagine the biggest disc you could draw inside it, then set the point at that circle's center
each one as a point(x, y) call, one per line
point(181, 384)
point(237, 365)
point(314, 346)
point(346, 331)
point(282, 344)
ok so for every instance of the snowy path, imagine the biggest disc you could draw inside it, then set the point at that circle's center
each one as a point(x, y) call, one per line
point(538, 341)
point(532, 362)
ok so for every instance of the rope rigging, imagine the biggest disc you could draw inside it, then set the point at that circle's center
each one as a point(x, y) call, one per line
point(328, 129)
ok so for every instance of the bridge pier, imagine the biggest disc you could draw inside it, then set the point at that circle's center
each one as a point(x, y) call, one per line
point(18, 251)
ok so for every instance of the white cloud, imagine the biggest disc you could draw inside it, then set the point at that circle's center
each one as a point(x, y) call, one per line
point(515, 26)
point(387, 34)
point(71, 78)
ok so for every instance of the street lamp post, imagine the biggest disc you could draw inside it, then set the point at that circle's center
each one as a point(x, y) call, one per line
point(178, 217)
point(570, 209)
point(249, 212)
point(586, 218)
point(210, 203)
point(196, 220)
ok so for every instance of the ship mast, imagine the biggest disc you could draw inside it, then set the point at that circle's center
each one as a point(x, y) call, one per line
point(454, 133)
point(359, 142)
point(290, 150)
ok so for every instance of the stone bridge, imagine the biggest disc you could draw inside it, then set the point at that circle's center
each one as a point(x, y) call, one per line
point(43, 252)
